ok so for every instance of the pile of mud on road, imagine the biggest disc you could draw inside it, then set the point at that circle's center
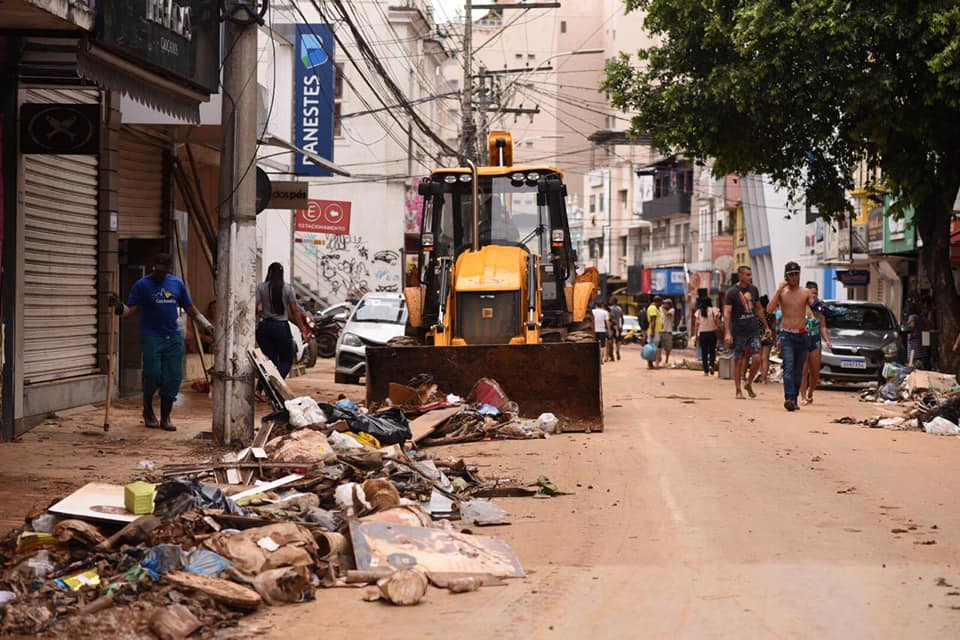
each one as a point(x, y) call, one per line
point(325, 496)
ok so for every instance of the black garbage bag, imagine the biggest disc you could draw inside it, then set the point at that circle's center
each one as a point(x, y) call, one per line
point(388, 427)
point(176, 497)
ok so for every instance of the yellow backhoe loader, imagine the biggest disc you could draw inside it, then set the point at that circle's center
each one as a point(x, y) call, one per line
point(499, 296)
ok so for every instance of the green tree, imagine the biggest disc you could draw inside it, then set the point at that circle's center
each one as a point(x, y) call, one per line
point(803, 91)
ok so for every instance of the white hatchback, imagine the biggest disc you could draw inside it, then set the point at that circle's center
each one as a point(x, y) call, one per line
point(377, 318)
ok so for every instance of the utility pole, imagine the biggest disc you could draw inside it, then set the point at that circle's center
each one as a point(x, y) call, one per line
point(233, 378)
point(468, 129)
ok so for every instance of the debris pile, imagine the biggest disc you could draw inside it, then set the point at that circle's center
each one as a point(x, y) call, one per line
point(325, 496)
point(926, 400)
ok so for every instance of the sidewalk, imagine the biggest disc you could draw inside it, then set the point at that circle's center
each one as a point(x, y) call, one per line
point(71, 449)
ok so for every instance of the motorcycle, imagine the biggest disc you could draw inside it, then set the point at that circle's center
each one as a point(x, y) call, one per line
point(329, 323)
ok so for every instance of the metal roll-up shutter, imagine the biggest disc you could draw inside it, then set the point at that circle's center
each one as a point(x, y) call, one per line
point(141, 187)
point(60, 213)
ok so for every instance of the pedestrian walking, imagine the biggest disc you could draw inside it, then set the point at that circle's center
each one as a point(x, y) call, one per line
point(276, 305)
point(742, 320)
point(668, 315)
point(918, 354)
point(616, 329)
point(794, 301)
point(706, 321)
point(654, 327)
point(817, 336)
point(158, 298)
point(601, 328)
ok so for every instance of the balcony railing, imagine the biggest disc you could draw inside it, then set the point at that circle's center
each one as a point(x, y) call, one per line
point(668, 205)
point(667, 256)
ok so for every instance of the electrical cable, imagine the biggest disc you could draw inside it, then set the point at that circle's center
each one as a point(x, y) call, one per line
point(369, 55)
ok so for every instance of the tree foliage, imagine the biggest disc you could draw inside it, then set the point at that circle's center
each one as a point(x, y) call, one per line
point(804, 90)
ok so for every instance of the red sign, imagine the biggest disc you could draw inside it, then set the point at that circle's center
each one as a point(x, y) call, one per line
point(325, 216)
point(646, 281)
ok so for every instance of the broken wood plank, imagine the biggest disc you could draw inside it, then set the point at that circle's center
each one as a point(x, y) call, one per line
point(424, 425)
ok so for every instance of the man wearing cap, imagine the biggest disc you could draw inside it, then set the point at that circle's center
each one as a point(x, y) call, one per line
point(793, 301)
point(742, 317)
point(158, 298)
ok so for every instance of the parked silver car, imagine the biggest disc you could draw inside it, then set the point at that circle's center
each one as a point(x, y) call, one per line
point(864, 337)
point(377, 318)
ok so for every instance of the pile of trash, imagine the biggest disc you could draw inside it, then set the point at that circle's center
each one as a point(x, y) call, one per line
point(927, 400)
point(325, 496)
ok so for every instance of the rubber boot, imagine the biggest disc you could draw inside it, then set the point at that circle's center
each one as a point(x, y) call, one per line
point(149, 417)
point(166, 407)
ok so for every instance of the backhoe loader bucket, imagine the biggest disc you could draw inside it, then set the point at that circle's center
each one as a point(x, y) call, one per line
point(562, 378)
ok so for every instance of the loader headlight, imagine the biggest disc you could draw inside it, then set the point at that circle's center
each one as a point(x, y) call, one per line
point(352, 340)
point(450, 179)
point(557, 236)
point(465, 177)
point(533, 177)
point(427, 241)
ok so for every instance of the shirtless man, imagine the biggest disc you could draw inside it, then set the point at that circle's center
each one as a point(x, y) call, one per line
point(793, 301)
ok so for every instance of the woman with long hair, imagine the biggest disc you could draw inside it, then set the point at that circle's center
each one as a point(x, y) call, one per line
point(276, 305)
point(816, 336)
point(706, 321)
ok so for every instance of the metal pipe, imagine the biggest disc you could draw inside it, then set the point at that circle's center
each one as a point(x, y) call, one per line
point(476, 204)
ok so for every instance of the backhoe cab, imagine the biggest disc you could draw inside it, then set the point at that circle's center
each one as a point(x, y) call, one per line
point(498, 292)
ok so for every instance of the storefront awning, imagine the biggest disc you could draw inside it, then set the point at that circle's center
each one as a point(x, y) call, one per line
point(274, 141)
point(117, 74)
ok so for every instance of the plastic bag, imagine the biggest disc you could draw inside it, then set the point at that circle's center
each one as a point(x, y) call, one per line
point(206, 562)
point(179, 496)
point(329, 520)
point(649, 352)
point(890, 391)
point(388, 427)
point(339, 441)
point(163, 558)
point(346, 403)
point(482, 512)
point(942, 427)
point(44, 523)
point(304, 412)
point(37, 566)
point(548, 422)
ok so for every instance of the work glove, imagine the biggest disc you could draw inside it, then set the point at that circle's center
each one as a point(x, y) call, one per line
point(118, 307)
point(204, 324)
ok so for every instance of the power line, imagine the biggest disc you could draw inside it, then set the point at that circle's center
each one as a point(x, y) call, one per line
point(371, 59)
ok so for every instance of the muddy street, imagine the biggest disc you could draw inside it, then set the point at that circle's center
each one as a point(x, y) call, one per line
point(696, 515)
point(691, 515)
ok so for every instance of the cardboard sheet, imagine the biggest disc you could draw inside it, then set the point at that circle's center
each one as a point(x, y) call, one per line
point(97, 501)
point(383, 544)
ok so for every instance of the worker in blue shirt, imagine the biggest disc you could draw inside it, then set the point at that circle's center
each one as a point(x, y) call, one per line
point(158, 298)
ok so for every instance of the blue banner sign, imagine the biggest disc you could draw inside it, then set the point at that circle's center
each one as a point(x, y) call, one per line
point(313, 97)
point(668, 281)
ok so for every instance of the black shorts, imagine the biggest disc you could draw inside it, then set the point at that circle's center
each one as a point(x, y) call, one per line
point(601, 338)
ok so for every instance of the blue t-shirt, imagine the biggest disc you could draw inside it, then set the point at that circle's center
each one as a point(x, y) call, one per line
point(158, 304)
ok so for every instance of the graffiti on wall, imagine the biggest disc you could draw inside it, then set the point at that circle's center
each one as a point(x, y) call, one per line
point(344, 265)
